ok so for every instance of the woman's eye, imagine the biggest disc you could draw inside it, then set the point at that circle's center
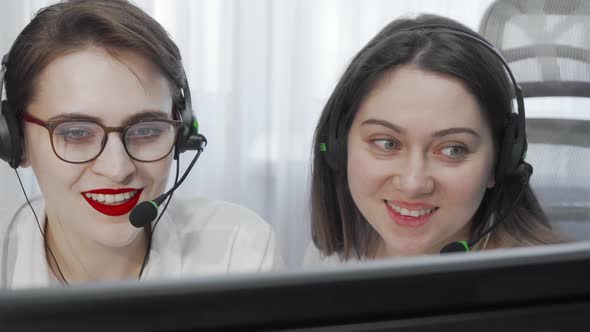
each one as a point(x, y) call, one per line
point(386, 144)
point(454, 151)
point(74, 133)
point(146, 132)
point(77, 133)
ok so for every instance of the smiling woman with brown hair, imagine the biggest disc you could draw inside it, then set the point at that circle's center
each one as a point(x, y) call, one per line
point(418, 150)
point(99, 106)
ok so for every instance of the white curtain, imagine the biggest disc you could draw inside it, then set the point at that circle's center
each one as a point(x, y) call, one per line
point(260, 72)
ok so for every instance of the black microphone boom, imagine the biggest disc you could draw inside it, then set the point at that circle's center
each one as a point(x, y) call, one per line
point(457, 246)
point(147, 211)
point(524, 172)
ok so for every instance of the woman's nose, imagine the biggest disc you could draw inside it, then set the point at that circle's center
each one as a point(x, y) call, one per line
point(413, 177)
point(114, 161)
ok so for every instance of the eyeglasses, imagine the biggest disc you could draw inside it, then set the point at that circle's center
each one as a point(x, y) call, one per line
point(79, 141)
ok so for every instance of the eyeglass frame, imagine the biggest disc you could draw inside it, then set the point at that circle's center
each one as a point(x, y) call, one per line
point(52, 123)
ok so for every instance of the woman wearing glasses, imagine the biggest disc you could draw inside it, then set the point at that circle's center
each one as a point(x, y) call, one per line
point(97, 88)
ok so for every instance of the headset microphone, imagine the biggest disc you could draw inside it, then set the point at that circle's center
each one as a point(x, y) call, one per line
point(147, 211)
point(524, 172)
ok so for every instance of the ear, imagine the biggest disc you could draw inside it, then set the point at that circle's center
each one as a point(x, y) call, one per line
point(491, 179)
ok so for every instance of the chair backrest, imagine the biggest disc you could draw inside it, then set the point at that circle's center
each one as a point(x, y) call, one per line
point(546, 43)
point(547, 46)
point(559, 150)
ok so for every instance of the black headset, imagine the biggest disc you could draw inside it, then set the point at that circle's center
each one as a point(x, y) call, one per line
point(11, 137)
point(513, 146)
point(512, 150)
point(10, 131)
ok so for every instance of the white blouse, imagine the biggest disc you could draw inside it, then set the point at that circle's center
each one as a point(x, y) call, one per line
point(196, 237)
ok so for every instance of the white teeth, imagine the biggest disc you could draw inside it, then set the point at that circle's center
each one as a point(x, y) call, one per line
point(410, 213)
point(111, 199)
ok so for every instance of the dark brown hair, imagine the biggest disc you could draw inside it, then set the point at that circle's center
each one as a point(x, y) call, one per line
point(65, 27)
point(338, 227)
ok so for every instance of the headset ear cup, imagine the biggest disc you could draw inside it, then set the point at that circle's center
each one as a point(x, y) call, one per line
point(512, 150)
point(335, 149)
point(336, 154)
point(330, 155)
point(189, 124)
point(183, 134)
point(10, 137)
point(189, 137)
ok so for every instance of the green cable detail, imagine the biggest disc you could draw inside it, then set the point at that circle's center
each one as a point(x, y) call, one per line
point(465, 244)
point(323, 147)
point(154, 204)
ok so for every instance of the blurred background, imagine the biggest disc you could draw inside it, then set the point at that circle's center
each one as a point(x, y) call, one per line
point(260, 72)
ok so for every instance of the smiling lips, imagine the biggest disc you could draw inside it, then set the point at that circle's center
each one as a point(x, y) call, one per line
point(113, 202)
point(410, 215)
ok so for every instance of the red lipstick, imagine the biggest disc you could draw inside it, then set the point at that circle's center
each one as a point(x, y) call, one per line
point(113, 209)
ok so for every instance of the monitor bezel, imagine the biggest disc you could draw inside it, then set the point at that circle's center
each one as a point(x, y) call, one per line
point(393, 292)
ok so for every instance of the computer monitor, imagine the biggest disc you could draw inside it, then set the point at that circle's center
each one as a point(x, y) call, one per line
point(537, 289)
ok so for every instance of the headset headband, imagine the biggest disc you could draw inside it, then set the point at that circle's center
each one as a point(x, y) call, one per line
point(513, 146)
point(518, 94)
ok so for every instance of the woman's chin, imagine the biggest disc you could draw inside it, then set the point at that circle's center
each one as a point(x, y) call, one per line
point(408, 250)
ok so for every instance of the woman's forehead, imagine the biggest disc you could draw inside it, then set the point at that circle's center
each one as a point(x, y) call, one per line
point(97, 83)
point(413, 97)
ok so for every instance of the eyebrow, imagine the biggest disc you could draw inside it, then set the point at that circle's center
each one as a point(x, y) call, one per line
point(147, 114)
point(384, 124)
point(438, 133)
point(456, 130)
